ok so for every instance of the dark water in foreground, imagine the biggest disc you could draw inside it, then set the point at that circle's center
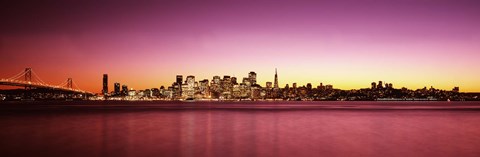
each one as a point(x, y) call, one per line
point(241, 129)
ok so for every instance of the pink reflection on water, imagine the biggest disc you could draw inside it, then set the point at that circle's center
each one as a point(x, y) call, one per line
point(242, 133)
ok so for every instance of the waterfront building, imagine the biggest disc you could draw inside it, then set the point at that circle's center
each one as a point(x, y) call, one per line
point(246, 81)
point(188, 88)
point(236, 91)
point(190, 82)
point(256, 92)
point(227, 87)
point(203, 88)
point(234, 80)
point(147, 93)
point(132, 93)
point(116, 89)
point(389, 85)
point(155, 92)
point(215, 87)
point(275, 84)
point(268, 85)
point(179, 79)
point(216, 80)
point(321, 87)
point(124, 90)
point(252, 77)
point(329, 87)
point(105, 84)
point(380, 85)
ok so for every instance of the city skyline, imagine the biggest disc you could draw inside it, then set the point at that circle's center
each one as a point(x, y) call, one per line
point(345, 43)
point(229, 88)
point(249, 89)
point(111, 85)
point(272, 84)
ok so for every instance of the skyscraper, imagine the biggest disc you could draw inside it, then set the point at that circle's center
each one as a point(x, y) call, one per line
point(124, 90)
point(116, 88)
point(105, 84)
point(177, 86)
point(216, 80)
point(179, 79)
point(275, 84)
point(309, 86)
point(380, 85)
point(190, 81)
point(252, 76)
point(246, 81)
point(188, 88)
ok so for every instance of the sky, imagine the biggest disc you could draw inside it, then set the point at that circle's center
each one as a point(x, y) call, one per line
point(145, 44)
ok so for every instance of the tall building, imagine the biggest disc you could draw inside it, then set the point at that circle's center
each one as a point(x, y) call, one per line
point(105, 84)
point(389, 85)
point(188, 88)
point(124, 90)
point(215, 88)
point(179, 79)
point(329, 87)
point(374, 85)
point(380, 85)
point(116, 88)
point(216, 80)
point(268, 85)
point(234, 80)
point(177, 86)
point(275, 84)
point(204, 88)
point(227, 83)
point(190, 81)
point(309, 86)
point(246, 81)
point(252, 76)
point(321, 87)
point(227, 87)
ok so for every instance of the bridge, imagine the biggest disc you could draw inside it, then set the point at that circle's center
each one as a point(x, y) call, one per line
point(30, 80)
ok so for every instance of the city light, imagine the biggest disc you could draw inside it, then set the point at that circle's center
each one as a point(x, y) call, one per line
point(228, 89)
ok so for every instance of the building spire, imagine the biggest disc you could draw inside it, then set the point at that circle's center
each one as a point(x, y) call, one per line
point(276, 80)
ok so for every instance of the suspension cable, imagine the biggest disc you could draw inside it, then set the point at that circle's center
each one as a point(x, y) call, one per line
point(76, 86)
point(17, 75)
point(63, 83)
point(37, 77)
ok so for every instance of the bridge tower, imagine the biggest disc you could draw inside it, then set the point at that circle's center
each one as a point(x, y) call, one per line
point(28, 78)
point(69, 83)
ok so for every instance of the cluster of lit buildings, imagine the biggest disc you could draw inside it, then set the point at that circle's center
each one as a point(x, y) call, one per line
point(231, 88)
point(188, 88)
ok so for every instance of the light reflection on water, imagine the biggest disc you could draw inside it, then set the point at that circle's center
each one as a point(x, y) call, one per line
point(240, 132)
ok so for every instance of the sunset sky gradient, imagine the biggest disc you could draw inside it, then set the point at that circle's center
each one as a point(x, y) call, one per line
point(144, 44)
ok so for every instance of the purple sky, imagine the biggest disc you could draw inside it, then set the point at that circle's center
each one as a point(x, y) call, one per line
point(144, 44)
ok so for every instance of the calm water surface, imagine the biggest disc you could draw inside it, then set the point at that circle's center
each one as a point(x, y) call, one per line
point(218, 129)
